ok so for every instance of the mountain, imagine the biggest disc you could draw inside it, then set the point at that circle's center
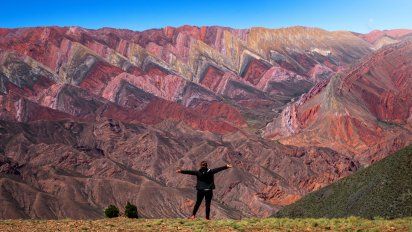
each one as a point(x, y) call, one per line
point(380, 190)
point(90, 118)
point(364, 111)
point(255, 73)
point(381, 38)
point(68, 169)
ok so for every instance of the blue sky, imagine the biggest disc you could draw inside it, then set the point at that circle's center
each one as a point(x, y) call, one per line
point(354, 15)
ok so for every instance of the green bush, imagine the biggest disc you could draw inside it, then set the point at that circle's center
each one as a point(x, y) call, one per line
point(130, 211)
point(111, 211)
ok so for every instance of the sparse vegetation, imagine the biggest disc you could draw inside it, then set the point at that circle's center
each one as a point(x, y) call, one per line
point(111, 211)
point(387, 123)
point(130, 211)
point(383, 189)
point(251, 224)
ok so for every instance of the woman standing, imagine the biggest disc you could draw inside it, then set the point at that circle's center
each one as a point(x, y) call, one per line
point(204, 186)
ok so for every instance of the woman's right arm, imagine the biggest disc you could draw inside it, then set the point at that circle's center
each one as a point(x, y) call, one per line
point(188, 172)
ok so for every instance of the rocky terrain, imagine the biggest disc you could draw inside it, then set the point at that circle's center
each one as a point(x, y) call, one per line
point(381, 38)
point(97, 117)
point(69, 169)
point(365, 111)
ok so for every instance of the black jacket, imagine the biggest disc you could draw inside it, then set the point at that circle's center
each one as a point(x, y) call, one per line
point(205, 177)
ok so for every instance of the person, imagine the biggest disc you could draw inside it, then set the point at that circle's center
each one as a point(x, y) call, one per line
point(204, 186)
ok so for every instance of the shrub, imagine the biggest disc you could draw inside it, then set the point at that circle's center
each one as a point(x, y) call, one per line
point(111, 211)
point(130, 211)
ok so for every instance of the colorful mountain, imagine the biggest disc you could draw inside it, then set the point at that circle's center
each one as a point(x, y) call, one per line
point(96, 117)
point(364, 111)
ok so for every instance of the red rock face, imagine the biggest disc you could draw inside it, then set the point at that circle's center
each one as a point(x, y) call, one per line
point(254, 71)
point(90, 72)
point(388, 75)
point(364, 111)
point(19, 109)
point(96, 117)
point(98, 76)
point(212, 78)
point(76, 55)
point(160, 110)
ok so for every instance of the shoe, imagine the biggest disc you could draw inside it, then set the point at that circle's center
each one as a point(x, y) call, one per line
point(193, 217)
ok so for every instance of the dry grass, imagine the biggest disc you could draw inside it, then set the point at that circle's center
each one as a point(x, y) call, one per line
point(252, 224)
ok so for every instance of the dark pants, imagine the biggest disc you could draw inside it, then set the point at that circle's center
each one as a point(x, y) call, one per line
point(207, 194)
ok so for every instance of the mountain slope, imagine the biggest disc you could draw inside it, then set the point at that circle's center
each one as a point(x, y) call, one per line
point(70, 169)
point(248, 71)
point(383, 189)
point(381, 38)
point(364, 111)
point(96, 117)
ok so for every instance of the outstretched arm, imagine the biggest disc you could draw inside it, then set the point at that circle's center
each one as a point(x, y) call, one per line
point(216, 170)
point(188, 172)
